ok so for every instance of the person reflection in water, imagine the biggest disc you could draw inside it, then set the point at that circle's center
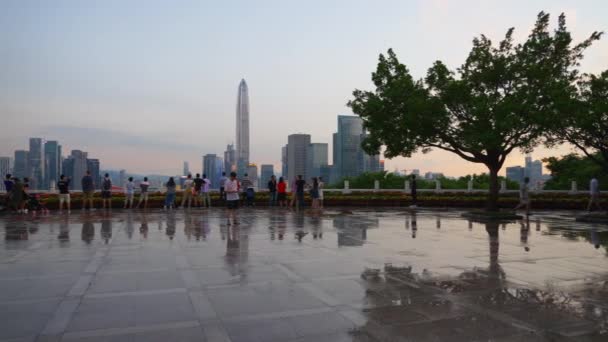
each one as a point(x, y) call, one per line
point(64, 230)
point(106, 227)
point(170, 225)
point(129, 225)
point(143, 229)
point(414, 225)
point(88, 230)
point(524, 231)
point(317, 225)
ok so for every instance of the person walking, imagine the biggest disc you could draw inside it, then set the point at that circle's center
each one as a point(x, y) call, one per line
point(524, 196)
point(232, 188)
point(144, 194)
point(187, 193)
point(272, 191)
point(88, 189)
point(282, 192)
point(205, 192)
point(300, 185)
point(321, 187)
point(223, 180)
point(170, 195)
point(247, 187)
point(594, 195)
point(64, 192)
point(129, 193)
point(414, 191)
point(106, 192)
point(198, 184)
point(314, 193)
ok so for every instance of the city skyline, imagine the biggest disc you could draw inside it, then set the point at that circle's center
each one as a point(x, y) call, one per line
point(168, 96)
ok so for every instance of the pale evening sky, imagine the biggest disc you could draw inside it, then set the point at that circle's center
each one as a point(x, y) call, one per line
point(145, 85)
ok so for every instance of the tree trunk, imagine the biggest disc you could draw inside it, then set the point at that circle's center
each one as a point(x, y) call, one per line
point(494, 189)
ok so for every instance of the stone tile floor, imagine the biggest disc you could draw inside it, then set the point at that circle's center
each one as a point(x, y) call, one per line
point(340, 275)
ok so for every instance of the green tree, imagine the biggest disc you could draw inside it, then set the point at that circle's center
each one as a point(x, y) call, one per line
point(573, 167)
point(585, 123)
point(499, 100)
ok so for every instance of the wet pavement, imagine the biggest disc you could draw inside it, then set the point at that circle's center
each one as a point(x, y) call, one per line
point(340, 275)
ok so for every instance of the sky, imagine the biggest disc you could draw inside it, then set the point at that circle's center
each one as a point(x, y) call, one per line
point(145, 85)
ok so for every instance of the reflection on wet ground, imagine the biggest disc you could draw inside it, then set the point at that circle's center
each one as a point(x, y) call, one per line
point(356, 275)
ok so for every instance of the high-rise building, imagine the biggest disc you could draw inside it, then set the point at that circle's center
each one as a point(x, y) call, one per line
point(79, 167)
point(52, 158)
point(122, 178)
point(267, 171)
point(297, 156)
point(252, 173)
point(20, 168)
point(36, 164)
point(534, 170)
point(242, 127)
point(5, 169)
point(67, 169)
point(93, 167)
point(186, 168)
point(316, 158)
point(284, 164)
point(229, 159)
point(515, 173)
point(349, 158)
point(213, 167)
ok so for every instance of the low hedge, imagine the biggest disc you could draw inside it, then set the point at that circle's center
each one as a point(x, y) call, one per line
point(373, 199)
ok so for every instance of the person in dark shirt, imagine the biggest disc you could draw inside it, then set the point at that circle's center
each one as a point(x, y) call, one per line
point(300, 184)
point(106, 192)
point(64, 192)
point(198, 185)
point(272, 191)
point(88, 189)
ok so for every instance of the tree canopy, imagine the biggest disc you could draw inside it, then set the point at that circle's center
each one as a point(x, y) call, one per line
point(501, 99)
point(574, 167)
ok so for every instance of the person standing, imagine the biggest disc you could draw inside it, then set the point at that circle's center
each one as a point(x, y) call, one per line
point(129, 193)
point(314, 193)
point(187, 193)
point(300, 185)
point(248, 191)
point(170, 195)
point(232, 197)
point(64, 192)
point(272, 191)
point(198, 184)
point(223, 180)
point(282, 192)
point(106, 192)
point(205, 192)
point(143, 195)
point(594, 195)
point(321, 187)
point(88, 189)
point(524, 196)
point(414, 191)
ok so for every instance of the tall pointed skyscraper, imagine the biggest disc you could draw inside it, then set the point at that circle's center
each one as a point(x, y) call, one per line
point(242, 128)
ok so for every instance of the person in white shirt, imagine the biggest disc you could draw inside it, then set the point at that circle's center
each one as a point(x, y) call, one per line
point(524, 196)
point(205, 192)
point(232, 188)
point(594, 195)
point(129, 193)
point(187, 193)
point(143, 196)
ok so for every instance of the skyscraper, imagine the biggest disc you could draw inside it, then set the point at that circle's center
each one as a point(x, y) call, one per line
point(297, 156)
point(79, 165)
point(252, 172)
point(229, 159)
point(52, 158)
point(213, 167)
point(93, 167)
point(5, 168)
point(349, 158)
point(267, 170)
point(284, 162)
point(186, 168)
point(242, 127)
point(36, 164)
point(21, 169)
point(316, 159)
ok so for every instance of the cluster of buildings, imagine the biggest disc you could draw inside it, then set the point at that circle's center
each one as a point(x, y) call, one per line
point(533, 169)
point(44, 162)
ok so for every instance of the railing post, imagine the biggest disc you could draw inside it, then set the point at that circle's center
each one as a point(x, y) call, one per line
point(346, 187)
point(437, 185)
point(376, 185)
point(470, 185)
point(573, 188)
point(503, 185)
point(406, 188)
